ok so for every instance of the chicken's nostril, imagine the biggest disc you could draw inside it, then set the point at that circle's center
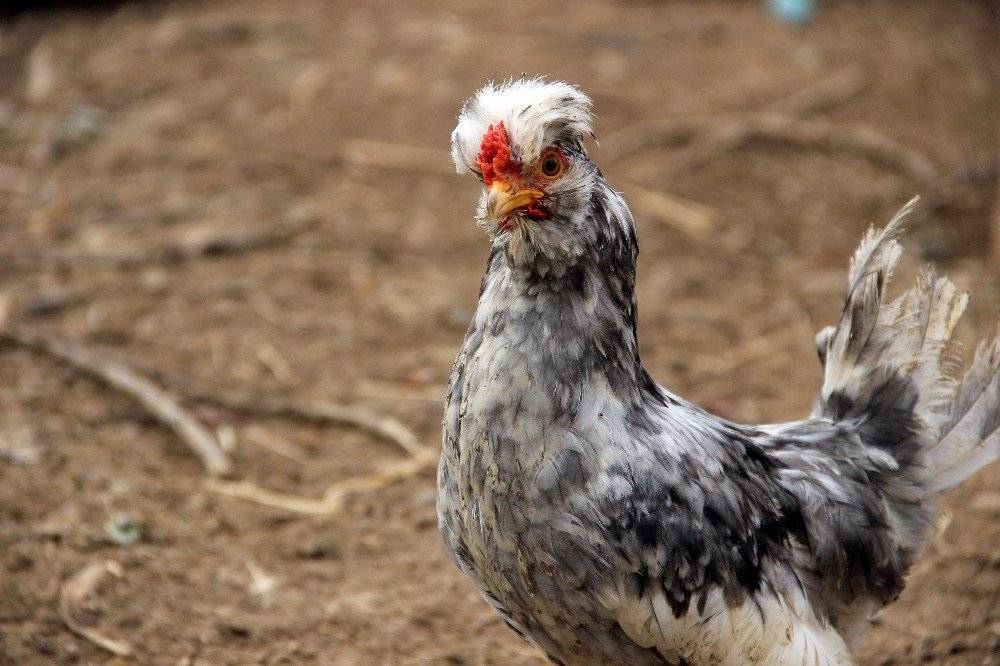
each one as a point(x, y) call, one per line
point(491, 203)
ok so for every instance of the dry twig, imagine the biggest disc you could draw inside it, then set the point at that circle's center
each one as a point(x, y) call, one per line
point(156, 401)
point(748, 351)
point(335, 495)
point(49, 303)
point(179, 250)
point(384, 427)
point(817, 134)
point(388, 155)
point(781, 122)
point(705, 137)
point(690, 217)
point(663, 133)
point(265, 236)
point(400, 391)
point(166, 409)
point(256, 435)
point(828, 93)
point(75, 590)
point(17, 438)
point(647, 134)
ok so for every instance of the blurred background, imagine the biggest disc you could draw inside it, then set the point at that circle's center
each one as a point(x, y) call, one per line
point(251, 205)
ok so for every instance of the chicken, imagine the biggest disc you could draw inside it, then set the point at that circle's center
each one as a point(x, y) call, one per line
point(609, 521)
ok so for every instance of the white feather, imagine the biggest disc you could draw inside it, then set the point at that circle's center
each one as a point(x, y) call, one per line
point(971, 440)
point(535, 112)
point(770, 629)
point(912, 337)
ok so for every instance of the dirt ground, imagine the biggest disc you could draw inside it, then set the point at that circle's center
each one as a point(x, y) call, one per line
point(192, 188)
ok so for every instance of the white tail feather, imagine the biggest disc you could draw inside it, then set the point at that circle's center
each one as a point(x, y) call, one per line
point(871, 269)
point(910, 339)
point(971, 440)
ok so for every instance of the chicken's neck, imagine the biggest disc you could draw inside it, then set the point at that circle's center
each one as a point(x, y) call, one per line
point(549, 343)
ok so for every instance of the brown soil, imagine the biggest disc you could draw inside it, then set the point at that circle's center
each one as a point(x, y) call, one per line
point(129, 131)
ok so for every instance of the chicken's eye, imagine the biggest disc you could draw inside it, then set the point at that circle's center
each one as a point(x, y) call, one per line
point(552, 164)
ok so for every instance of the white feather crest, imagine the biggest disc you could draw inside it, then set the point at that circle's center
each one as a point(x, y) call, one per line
point(536, 113)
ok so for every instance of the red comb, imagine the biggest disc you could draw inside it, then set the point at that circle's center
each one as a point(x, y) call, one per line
point(494, 154)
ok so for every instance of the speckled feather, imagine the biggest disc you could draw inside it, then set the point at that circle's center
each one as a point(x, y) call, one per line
point(609, 521)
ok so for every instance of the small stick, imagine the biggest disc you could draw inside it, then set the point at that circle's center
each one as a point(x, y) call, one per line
point(17, 439)
point(45, 304)
point(263, 236)
point(255, 435)
point(157, 402)
point(275, 363)
point(384, 427)
point(828, 93)
point(177, 251)
point(334, 496)
point(690, 217)
point(396, 391)
point(818, 134)
point(75, 590)
point(646, 134)
point(396, 156)
point(750, 350)
point(664, 133)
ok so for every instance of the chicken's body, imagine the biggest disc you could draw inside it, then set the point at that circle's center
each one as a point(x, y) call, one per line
point(609, 521)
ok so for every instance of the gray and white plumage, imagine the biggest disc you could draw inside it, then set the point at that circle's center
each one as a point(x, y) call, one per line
point(609, 521)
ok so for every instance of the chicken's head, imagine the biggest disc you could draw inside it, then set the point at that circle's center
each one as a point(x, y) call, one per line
point(524, 139)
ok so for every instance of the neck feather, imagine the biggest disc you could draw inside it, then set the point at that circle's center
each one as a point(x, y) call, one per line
point(576, 324)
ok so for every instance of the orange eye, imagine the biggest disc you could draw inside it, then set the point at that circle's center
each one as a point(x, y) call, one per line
point(551, 164)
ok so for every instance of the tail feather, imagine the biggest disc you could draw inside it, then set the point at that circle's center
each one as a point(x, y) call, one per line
point(871, 270)
point(874, 341)
point(892, 366)
point(922, 341)
point(971, 439)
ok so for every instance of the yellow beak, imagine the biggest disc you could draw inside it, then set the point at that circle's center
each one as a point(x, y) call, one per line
point(505, 198)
